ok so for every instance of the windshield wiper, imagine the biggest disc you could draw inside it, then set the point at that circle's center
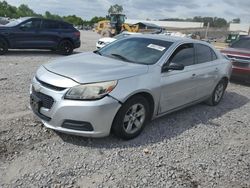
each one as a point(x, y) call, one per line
point(97, 52)
point(121, 57)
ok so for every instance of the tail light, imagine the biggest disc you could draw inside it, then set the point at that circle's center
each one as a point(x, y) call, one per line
point(77, 34)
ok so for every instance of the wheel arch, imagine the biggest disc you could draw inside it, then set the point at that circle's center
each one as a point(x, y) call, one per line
point(5, 39)
point(148, 96)
point(66, 38)
point(225, 79)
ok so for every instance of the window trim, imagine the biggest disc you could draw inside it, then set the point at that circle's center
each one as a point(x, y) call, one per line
point(168, 61)
point(31, 20)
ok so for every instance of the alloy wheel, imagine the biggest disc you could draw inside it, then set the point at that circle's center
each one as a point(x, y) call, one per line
point(134, 118)
point(219, 92)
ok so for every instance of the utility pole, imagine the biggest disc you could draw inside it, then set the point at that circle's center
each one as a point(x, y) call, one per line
point(208, 24)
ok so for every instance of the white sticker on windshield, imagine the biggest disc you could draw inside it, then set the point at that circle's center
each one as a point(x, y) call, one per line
point(156, 47)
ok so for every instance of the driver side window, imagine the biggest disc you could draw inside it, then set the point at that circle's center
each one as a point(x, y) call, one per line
point(183, 55)
point(33, 24)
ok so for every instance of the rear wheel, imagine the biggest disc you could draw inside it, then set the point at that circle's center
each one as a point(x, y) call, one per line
point(3, 47)
point(218, 93)
point(131, 118)
point(65, 47)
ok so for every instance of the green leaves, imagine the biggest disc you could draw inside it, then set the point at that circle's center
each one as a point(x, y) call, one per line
point(115, 9)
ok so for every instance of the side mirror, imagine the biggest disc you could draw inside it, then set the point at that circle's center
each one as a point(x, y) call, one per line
point(172, 66)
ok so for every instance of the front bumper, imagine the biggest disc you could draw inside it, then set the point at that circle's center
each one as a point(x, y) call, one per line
point(99, 114)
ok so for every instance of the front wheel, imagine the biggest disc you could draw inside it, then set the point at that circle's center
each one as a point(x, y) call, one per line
point(65, 47)
point(131, 118)
point(218, 93)
point(3, 47)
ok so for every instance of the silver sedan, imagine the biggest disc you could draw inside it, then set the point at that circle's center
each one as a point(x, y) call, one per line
point(122, 86)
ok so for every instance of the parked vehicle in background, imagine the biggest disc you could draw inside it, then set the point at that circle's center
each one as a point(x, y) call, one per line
point(122, 86)
point(239, 53)
point(4, 21)
point(234, 36)
point(107, 40)
point(39, 33)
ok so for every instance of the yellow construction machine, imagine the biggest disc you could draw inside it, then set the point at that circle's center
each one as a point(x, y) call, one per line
point(114, 26)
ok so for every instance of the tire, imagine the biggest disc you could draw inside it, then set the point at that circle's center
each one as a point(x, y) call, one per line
point(3, 47)
point(218, 93)
point(131, 118)
point(65, 47)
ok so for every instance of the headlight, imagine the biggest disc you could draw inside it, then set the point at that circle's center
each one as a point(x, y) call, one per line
point(90, 91)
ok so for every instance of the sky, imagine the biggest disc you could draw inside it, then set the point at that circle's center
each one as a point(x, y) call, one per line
point(144, 9)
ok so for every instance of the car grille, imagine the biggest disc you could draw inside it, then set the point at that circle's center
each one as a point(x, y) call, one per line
point(238, 64)
point(240, 61)
point(46, 101)
point(49, 86)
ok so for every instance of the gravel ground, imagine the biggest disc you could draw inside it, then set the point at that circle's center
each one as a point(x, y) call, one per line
point(200, 146)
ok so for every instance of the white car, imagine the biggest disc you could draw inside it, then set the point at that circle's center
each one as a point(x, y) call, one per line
point(107, 40)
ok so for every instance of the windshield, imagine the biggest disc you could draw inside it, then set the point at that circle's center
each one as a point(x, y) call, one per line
point(136, 50)
point(16, 22)
point(242, 43)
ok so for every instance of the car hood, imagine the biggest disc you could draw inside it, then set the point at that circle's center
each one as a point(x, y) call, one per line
point(107, 40)
point(90, 67)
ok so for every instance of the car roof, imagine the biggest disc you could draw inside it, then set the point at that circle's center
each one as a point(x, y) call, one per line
point(26, 18)
point(173, 39)
point(167, 38)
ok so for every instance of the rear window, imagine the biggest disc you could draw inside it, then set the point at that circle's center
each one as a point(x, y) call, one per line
point(242, 43)
point(137, 50)
point(65, 26)
point(204, 54)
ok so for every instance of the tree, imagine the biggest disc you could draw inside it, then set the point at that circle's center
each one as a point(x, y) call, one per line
point(24, 10)
point(220, 22)
point(73, 19)
point(115, 9)
point(7, 10)
point(96, 19)
point(52, 16)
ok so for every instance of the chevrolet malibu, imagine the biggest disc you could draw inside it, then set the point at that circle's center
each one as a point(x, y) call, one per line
point(122, 86)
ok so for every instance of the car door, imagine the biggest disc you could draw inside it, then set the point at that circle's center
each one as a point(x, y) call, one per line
point(207, 70)
point(26, 34)
point(178, 86)
point(50, 33)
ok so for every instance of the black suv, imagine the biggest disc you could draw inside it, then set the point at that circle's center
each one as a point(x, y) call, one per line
point(39, 33)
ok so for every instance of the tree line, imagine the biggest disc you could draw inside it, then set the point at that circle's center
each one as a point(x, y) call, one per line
point(7, 10)
point(213, 21)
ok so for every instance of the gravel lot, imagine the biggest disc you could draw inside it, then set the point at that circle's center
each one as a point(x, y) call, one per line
point(200, 146)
